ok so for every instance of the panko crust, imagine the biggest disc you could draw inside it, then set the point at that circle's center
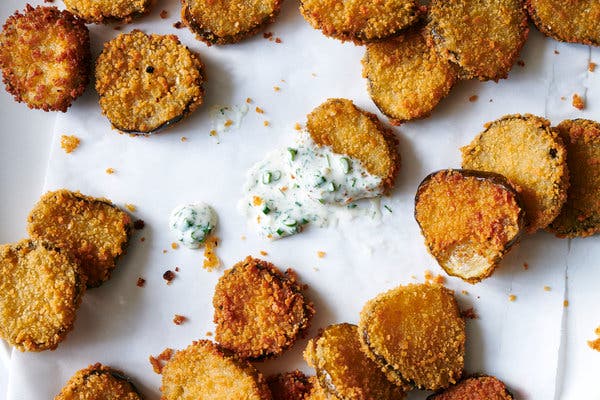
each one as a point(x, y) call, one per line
point(580, 215)
point(532, 156)
point(343, 370)
point(574, 21)
point(106, 11)
point(206, 371)
point(361, 21)
point(226, 21)
point(93, 230)
point(99, 382)
point(259, 311)
point(482, 387)
point(406, 78)
point(317, 392)
point(40, 290)
point(416, 335)
point(148, 82)
point(292, 385)
point(484, 37)
point(469, 219)
point(45, 57)
point(349, 130)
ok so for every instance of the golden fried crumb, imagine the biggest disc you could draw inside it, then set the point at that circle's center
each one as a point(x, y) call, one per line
point(141, 282)
point(297, 126)
point(248, 100)
point(69, 143)
point(174, 246)
point(278, 40)
point(211, 260)
point(464, 292)
point(164, 14)
point(110, 171)
point(213, 132)
point(473, 98)
point(276, 88)
point(159, 361)
point(592, 66)
point(566, 303)
point(547, 288)
point(184, 139)
point(266, 123)
point(228, 123)
point(259, 110)
point(130, 207)
point(321, 254)
point(578, 102)
point(209, 333)
point(179, 319)
point(263, 253)
point(512, 297)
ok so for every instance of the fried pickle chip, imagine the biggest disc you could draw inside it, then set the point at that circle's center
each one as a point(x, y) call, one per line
point(484, 37)
point(94, 231)
point(205, 371)
point(45, 57)
point(416, 334)
point(359, 134)
point(259, 311)
point(406, 78)
point(148, 82)
point(343, 370)
point(104, 11)
point(40, 291)
point(580, 216)
point(475, 388)
point(532, 156)
point(317, 392)
point(289, 386)
point(360, 21)
point(227, 21)
point(567, 21)
point(99, 382)
point(469, 219)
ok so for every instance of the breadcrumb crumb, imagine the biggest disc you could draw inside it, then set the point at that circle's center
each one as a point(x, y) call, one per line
point(169, 276)
point(297, 126)
point(259, 110)
point(211, 260)
point(159, 361)
point(473, 98)
point(277, 40)
point(578, 102)
point(266, 123)
point(178, 25)
point(174, 246)
point(525, 266)
point(566, 303)
point(547, 288)
point(110, 171)
point(184, 139)
point(248, 100)
point(209, 333)
point(263, 253)
point(592, 66)
point(276, 88)
point(512, 297)
point(69, 143)
point(321, 254)
point(141, 282)
point(164, 14)
point(595, 344)
point(130, 207)
point(179, 319)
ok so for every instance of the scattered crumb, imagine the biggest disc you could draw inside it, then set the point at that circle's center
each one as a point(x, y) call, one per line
point(211, 260)
point(164, 14)
point(184, 139)
point(266, 123)
point(473, 98)
point(69, 143)
point(179, 319)
point(130, 207)
point(563, 98)
point(276, 88)
point(278, 40)
point(110, 171)
point(469, 313)
point(243, 237)
point(174, 246)
point(178, 25)
point(213, 132)
point(169, 276)
point(268, 35)
point(176, 269)
point(592, 66)
point(259, 110)
point(512, 297)
point(578, 102)
point(595, 344)
point(520, 63)
point(556, 52)
point(209, 333)
point(142, 239)
point(525, 266)
point(159, 361)
point(547, 288)
point(464, 292)
point(430, 278)
point(321, 254)
point(228, 123)
point(297, 126)
point(141, 282)
point(248, 100)
point(164, 251)
point(566, 303)
point(139, 224)
point(263, 253)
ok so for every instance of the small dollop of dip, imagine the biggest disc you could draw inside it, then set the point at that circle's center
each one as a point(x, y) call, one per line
point(193, 223)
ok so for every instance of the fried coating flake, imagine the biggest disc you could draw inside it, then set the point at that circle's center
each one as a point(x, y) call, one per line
point(484, 37)
point(475, 388)
point(104, 11)
point(259, 311)
point(359, 134)
point(93, 230)
point(40, 291)
point(343, 370)
point(45, 57)
point(361, 21)
point(289, 386)
point(580, 216)
point(227, 21)
point(205, 371)
point(148, 82)
point(416, 334)
point(99, 382)
point(532, 156)
point(469, 219)
point(406, 78)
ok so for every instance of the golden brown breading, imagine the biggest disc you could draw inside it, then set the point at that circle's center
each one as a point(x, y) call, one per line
point(148, 82)
point(104, 11)
point(316, 391)
point(289, 386)
point(416, 334)
point(227, 21)
point(94, 231)
point(349, 130)
point(580, 216)
point(259, 312)
point(475, 388)
point(205, 371)
point(99, 382)
point(40, 291)
point(483, 37)
point(361, 21)
point(344, 370)
point(406, 78)
point(45, 57)
point(567, 21)
point(469, 219)
point(531, 155)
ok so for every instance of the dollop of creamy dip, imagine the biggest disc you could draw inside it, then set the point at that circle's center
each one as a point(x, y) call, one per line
point(193, 223)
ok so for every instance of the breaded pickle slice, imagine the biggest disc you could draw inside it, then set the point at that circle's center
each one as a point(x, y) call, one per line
point(359, 134)
point(475, 388)
point(227, 21)
point(483, 37)
point(469, 219)
point(259, 311)
point(580, 216)
point(343, 370)
point(104, 11)
point(532, 156)
point(567, 21)
point(45, 57)
point(205, 371)
point(292, 385)
point(93, 230)
point(99, 382)
point(416, 334)
point(406, 78)
point(360, 21)
point(40, 291)
point(148, 82)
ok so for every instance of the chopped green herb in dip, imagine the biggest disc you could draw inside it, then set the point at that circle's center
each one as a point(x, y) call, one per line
point(192, 223)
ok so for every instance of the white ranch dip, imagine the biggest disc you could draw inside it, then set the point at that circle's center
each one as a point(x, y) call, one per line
point(192, 223)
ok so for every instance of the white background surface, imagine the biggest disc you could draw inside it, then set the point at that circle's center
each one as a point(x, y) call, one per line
point(517, 341)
